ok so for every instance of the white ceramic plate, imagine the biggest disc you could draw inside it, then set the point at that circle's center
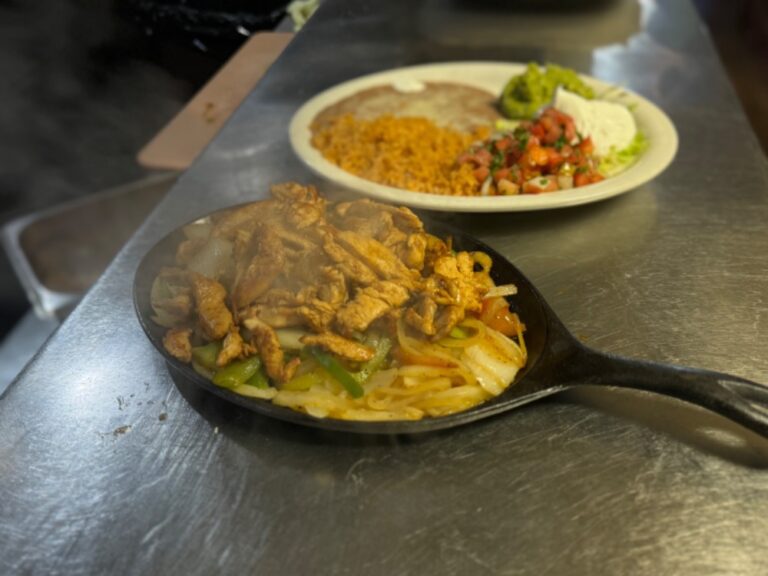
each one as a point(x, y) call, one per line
point(491, 76)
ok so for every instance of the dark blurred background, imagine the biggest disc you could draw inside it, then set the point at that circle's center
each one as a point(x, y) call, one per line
point(88, 82)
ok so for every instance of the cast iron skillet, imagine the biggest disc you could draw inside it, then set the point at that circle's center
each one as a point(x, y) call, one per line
point(556, 361)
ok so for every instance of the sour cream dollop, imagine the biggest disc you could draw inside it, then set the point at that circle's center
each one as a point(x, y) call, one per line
point(610, 125)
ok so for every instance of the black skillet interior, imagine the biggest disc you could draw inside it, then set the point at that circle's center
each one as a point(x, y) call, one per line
point(546, 340)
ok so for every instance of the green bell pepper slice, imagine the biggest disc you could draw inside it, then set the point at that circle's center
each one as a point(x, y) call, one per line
point(237, 373)
point(259, 380)
point(381, 347)
point(304, 381)
point(338, 372)
point(206, 355)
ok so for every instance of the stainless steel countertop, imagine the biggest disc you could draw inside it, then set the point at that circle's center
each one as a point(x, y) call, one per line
point(109, 466)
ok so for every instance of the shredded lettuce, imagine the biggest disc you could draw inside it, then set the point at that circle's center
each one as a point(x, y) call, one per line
point(506, 125)
point(617, 160)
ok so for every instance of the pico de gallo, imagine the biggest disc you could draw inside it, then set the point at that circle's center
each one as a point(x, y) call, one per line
point(543, 155)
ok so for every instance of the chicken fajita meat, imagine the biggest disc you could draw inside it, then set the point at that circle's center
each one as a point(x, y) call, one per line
point(296, 264)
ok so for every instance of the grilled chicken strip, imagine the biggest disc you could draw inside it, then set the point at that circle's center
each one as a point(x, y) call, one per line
point(413, 251)
point(176, 342)
point(349, 264)
point(214, 317)
point(378, 258)
point(305, 207)
point(231, 348)
point(317, 314)
point(421, 315)
point(268, 346)
point(275, 316)
point(244, 217)
point(340, 346)
point(457, 275)
point(369, 304)
point(264, 267)
point(401, 216)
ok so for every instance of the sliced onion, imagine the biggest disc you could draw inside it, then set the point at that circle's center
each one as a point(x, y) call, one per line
point(486, 186)
point(290, 338)
point(382, 378)
point(503, 290)
point(417, 348)
point(495, 361)
point(508, 346)
point(486, 375)
point(213, 258)
point(478, 333)
point(433, 385)
point(161, 292)
point(317, 412)
point(317, 399)
point(200, 230)
point(383, 415)
point(254, 392)
point(414, 374)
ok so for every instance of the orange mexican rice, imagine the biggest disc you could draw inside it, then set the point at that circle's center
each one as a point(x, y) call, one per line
point(412, 153)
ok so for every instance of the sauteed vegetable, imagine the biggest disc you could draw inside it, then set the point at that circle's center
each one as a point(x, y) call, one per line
point(346, 310)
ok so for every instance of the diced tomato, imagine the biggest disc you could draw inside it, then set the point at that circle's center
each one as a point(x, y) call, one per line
point(555, 158)
point(481, 173)
point(538, 156)
point(502, 144)
point(510, 160)
point(483, 157)
point(586, 146)
point(537, 166)
point(551, 129)
point(566, 124)
point(527, 172)
point(408, 358)
point(580, 179)
point(500, 173)
point(497, 315)
point(553, 135)
point(577, 158)
point(540, 184)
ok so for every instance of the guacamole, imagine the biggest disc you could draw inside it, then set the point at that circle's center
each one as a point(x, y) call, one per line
point(525, 93)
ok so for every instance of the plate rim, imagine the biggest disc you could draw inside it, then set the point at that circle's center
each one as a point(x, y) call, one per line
point(661, 151)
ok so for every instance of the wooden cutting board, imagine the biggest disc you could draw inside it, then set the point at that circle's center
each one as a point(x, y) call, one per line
point(184, 137)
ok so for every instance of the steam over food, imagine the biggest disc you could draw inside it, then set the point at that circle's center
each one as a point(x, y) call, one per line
point(346, 310)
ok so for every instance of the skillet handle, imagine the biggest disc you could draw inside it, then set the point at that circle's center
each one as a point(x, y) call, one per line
point(738, 399)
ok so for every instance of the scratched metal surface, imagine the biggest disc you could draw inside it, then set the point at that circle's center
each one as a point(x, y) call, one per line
point(108, 466)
